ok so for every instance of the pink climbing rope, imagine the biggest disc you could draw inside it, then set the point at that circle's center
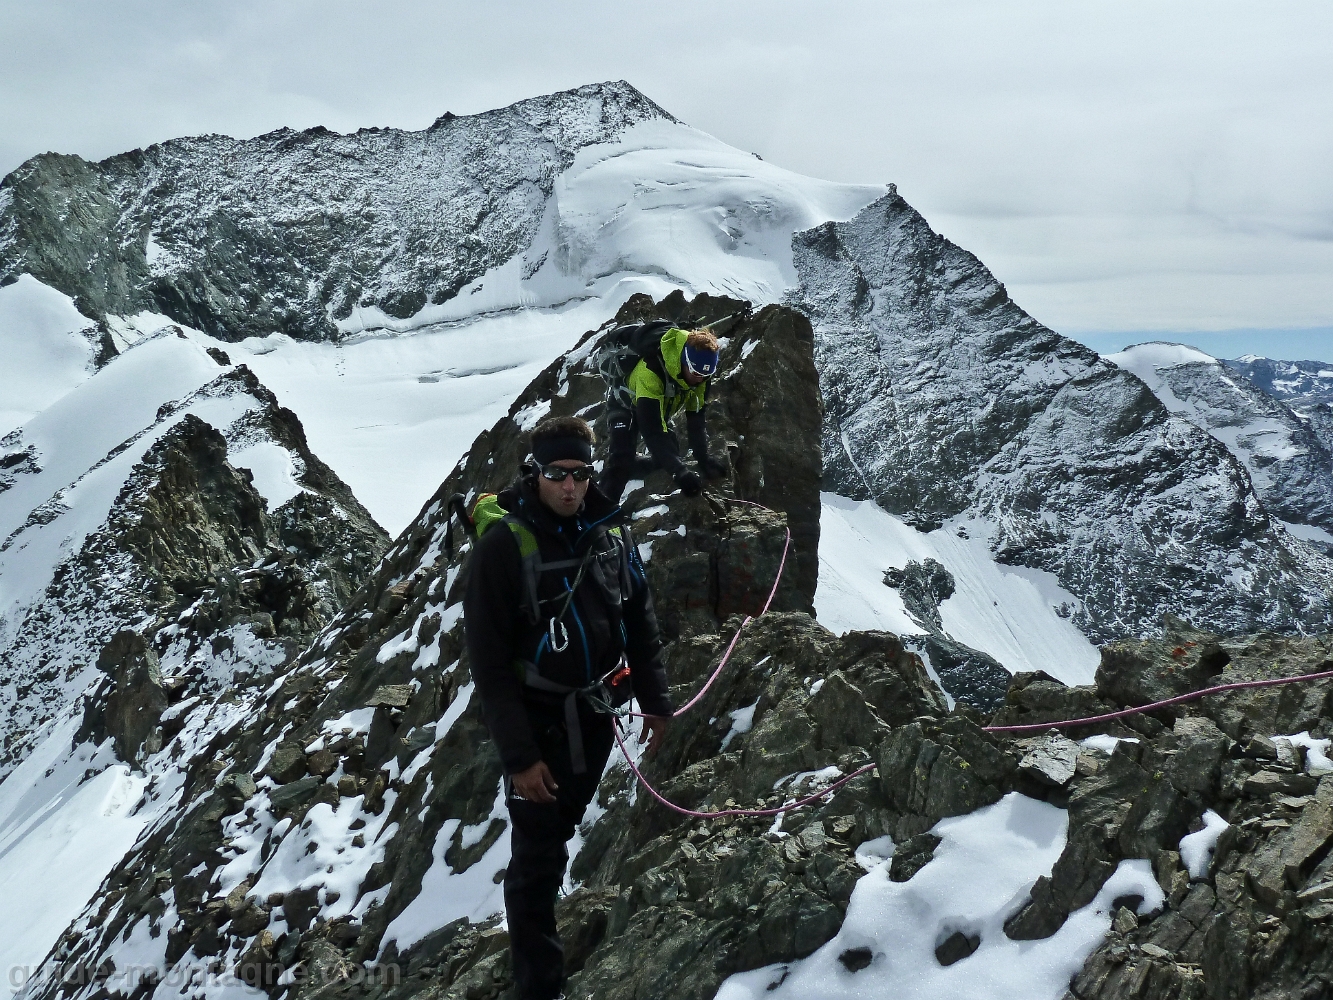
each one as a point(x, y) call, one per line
point(1153, 706)
point(786, 546)
point(1028, 727)
point(719, 813)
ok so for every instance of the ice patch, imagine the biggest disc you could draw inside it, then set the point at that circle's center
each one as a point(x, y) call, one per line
point(1196, 849)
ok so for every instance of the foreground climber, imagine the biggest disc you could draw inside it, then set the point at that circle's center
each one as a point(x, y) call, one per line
point(556, 595)
point(671, 375)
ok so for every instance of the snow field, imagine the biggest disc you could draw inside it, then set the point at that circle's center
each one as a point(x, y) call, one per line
point(44, 349)
point(981, 874)
point(59, 836)
point(1006, 611)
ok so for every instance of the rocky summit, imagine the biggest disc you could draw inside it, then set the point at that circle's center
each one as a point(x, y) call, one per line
point(949, 405)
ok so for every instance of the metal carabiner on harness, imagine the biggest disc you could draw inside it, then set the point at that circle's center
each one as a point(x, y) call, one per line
point(558, 645)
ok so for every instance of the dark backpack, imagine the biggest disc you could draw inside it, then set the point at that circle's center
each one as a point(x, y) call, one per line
point(622, 349)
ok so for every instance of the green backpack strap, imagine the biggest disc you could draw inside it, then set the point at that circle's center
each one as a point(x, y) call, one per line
point(530, 558)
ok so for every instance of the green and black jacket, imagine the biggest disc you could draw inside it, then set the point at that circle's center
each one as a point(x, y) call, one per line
point(611, 613)
point(660, 393)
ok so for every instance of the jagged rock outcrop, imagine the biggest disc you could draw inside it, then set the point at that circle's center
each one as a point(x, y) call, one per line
point(966, 673)
point(190, 557)
point(370, 749)
point(945, 402)
point(291, 231)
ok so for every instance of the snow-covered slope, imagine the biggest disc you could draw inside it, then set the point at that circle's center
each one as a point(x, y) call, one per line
point(624, 199)
point(1019, 616)
point(315, 234)
point(946, 403)
point(118, 507)
point(46, 348)
point(1290, 468)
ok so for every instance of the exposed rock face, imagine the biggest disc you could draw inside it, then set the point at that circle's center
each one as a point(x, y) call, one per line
point(944, 400)
point(966, 673)
point(137, 699)
point(292, 230)
point(1290, 467)
point(190, 558)
point(376, 725)
point(1297, 383)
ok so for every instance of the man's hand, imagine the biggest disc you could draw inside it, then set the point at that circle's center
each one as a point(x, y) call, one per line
point(713, 468)
point(689, 482)
point(535, 784)
point(653, 732)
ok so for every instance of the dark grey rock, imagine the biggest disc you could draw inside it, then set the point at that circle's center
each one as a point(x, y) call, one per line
point(912, 855)
point(956, 947)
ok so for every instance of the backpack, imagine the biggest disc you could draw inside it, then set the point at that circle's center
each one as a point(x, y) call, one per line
point(622, 349)
point(485, 514)
point(607, 693)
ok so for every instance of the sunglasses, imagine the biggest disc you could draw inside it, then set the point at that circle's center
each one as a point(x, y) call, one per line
point(556, 474)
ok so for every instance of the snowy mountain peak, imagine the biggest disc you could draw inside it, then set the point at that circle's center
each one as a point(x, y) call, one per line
point(292, 231)
point(1159, 354)
point(954, 409)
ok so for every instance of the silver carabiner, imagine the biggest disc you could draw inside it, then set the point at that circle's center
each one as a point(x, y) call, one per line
point(561, 644)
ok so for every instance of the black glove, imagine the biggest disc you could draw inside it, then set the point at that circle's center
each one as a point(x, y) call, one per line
point(689, 482)
point(713, 468)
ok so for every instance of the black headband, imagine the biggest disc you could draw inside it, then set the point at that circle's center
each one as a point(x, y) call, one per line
point(562, 446)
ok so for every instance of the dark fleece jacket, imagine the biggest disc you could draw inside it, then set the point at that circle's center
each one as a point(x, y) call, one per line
point(603, 620)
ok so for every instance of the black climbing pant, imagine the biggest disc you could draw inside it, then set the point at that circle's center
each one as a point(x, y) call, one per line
point(537, 836)
point(622, 438)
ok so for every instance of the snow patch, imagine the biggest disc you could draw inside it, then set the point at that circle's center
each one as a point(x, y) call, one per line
point(981, 874)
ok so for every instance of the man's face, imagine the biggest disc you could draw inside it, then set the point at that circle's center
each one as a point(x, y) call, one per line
point(566, 497)
point(690, 377)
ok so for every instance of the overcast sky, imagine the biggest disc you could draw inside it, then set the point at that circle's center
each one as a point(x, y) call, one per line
point(1128, 169)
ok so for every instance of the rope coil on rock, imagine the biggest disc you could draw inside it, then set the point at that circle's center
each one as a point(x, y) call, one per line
point(1153, 706)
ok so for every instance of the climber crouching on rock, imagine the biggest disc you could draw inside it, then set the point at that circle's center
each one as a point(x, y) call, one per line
point(556, 594)
point(672, 374)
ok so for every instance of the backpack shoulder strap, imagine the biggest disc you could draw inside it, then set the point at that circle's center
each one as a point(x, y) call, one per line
point(529, 554)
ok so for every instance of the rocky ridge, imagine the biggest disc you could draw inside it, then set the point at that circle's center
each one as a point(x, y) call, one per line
point(1305, 386)
point(948, 404)
point(190, 559)
point(288, 845)
point(292, 231)
point(1289, 466)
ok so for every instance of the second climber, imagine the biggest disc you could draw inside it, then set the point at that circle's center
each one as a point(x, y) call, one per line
point(672, 375)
